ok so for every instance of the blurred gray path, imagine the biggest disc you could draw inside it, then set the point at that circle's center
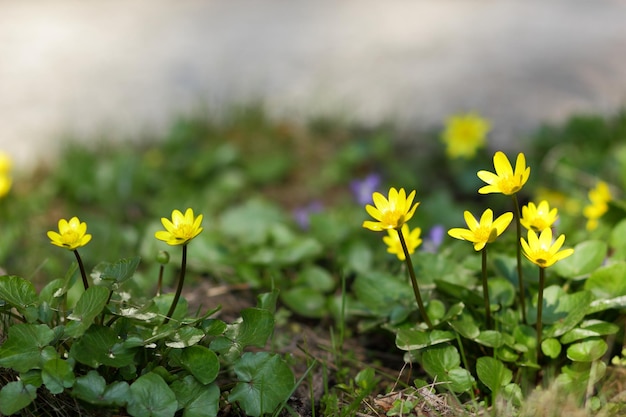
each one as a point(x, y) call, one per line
point(122, 67)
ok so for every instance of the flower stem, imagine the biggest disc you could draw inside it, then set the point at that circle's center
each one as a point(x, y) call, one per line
point(179, 289)
point(416, 289)
point(542, 277)
point(160, 280)
point(520, 279)
point(486, 288)
point(82, 269)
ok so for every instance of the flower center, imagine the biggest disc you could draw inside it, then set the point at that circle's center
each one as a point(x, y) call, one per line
point(509, 184)
point(70, 237)
point(485, 234)
point(393, 218)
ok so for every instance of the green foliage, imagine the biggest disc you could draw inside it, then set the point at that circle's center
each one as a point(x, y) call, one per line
point(108, 347)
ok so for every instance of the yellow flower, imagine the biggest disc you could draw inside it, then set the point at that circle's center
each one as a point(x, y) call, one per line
point(181, 229)
point(464, 134)
point(600, 196)
point(5, 185)
point(71, 235)
point(483, 232)
point(391, 213)
point(542, 251)
point(538, 217)
point(411, 238)
point(5, 177)
point(505, 181)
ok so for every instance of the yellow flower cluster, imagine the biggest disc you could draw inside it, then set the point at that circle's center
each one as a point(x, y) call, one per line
point(538, 218)
point(5, 174)
point(464, 134)
point(391, 214)
point(599, 196)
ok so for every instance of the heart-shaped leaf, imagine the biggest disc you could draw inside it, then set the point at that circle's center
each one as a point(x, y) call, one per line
point(493, 373)
point(151, 397)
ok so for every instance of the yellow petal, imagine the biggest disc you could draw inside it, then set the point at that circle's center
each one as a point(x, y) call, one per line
point(502, 165)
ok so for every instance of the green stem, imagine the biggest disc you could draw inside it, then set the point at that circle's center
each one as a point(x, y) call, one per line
point(82, 269)
point(179, 289)
point(416, 290)
point(520, 279)
point(542, 276)
point(486, 288)
point(160, 281)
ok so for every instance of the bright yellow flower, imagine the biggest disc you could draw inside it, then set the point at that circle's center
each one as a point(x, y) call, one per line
point(600, 196)
point(483, 232)
point(505, 181)
point(542, 251)
point(5, 185)
point(5, 177)
point(411, 238)
point(71, 235)
point(391, 213)
point(181, 229)
point(538, 217)
point(464, 134)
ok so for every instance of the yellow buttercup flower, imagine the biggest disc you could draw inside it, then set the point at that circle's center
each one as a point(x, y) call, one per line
point(483, 232)
point(411, 238)
point(464, 134)
point(5, 176)
point(505, 180)
point(71, 235)
point(392, 212)
point(599, 196)
point(181, 229)
point(538, 217)
point(542, 251)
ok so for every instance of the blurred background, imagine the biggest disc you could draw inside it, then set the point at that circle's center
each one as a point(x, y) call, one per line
point(120, 70)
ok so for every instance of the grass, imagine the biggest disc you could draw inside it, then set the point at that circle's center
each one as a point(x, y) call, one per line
point(248, 175)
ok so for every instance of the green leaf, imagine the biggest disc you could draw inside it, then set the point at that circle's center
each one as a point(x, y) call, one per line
point(443, 363)
point(459, 292)
point(551, 348)
point(201, 362)
point(305, 301)
point(564, 311)
point(20, 294)
point(465, 326)
point(618, 241)
point(501, 292)
point(251, 223)
point(601, 305)
point(92, 388)
point(316, 278)
point(255, 328)
point(101, 346)
point(89, 305)
point(460, 380)
point(490, 338)
point(382, 292)
point(115, 273)
point(493, 373)
point(57, 375)
point(184, 337)
point(24, 346)
point(587, 257)
point(266, 381)
point(439, 360)
point(195, 399)
point(415, 339)
point(608, 281)
point(151, 397)
point(587, 350)
point(589, 328)
point(14, 396)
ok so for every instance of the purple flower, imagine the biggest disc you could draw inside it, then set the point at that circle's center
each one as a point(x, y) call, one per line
point(434, 239)
point(302, 214)
point(362, 189)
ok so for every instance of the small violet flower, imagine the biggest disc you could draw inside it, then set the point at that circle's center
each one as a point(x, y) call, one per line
point(434, 239)
point(362, 189)
point(302, 215)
